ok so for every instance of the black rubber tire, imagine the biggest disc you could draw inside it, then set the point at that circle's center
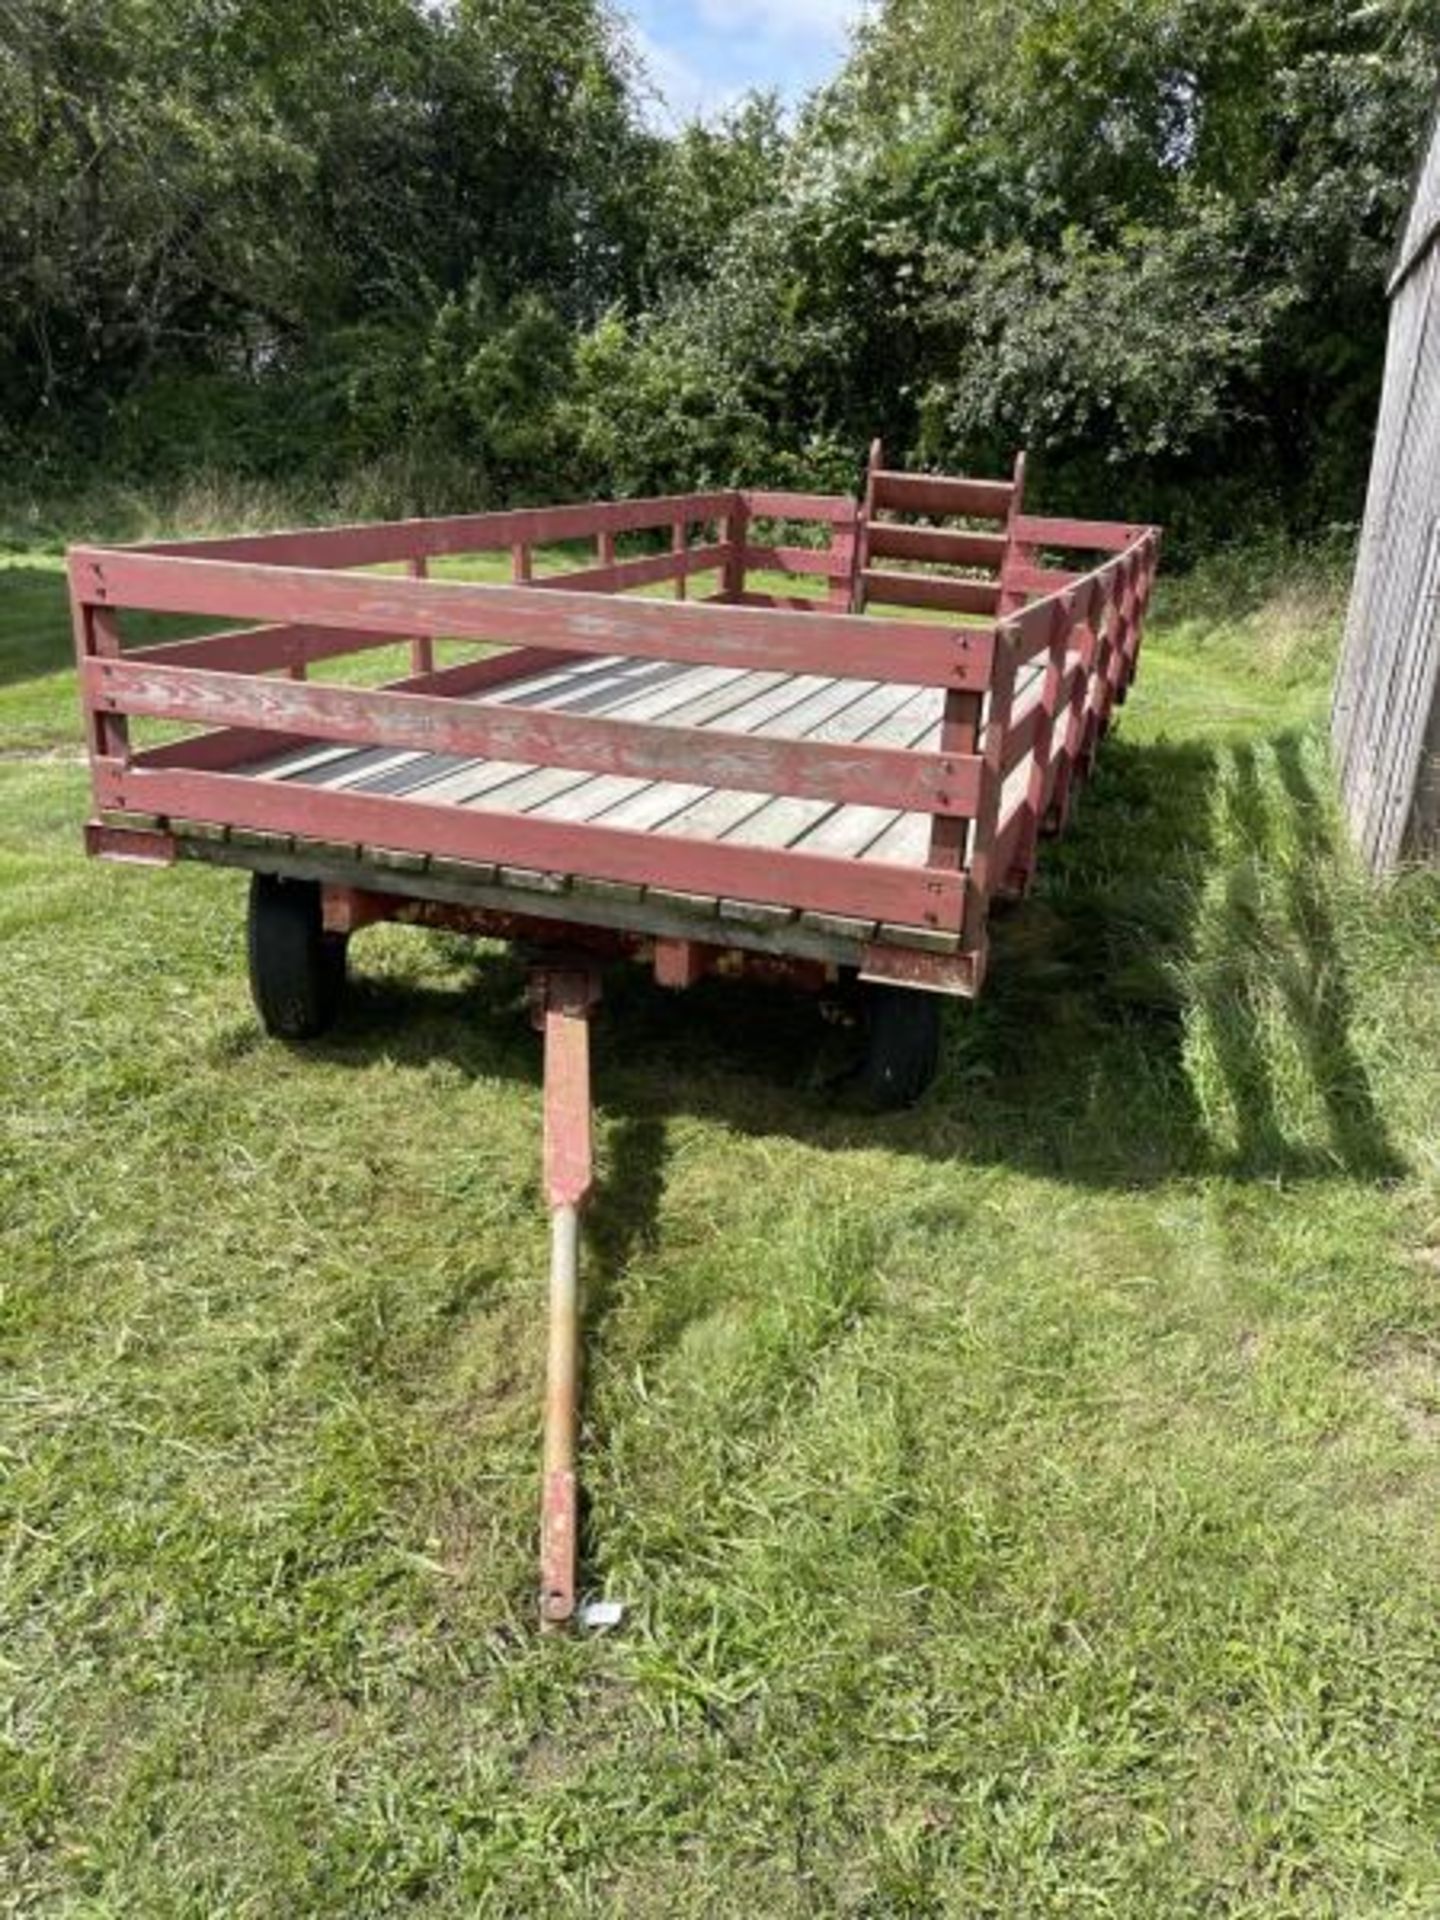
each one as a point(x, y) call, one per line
point(297, 969)
point(902, 1045)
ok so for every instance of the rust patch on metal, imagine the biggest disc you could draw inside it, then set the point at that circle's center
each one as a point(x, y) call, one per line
point(559, 1528)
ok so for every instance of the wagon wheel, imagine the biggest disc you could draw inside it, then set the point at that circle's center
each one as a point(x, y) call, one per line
point(297, 969)
point(902, 1044)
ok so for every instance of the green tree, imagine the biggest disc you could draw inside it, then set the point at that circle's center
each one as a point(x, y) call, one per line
point(208, 186)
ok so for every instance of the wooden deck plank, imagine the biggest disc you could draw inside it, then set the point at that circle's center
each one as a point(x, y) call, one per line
point(313, 761)
point(595, 792)
point(668, 806)
point(668, 803)
point(671, 698)
point(903, 842)
point(784, 819)
point(774, 703)
point(849, 832)
point(564, 692)
point(588, 793)
point(642, 798)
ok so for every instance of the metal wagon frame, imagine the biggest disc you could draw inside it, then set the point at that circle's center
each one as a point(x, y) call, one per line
point(731, 781)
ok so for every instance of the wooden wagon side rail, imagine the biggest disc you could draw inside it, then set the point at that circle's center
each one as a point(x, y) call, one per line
point(1086, 628)
point(305, 606)
point(382, 542)
point(1003, 769)
point(104, 580)
point(905, 779)
point(518, 532)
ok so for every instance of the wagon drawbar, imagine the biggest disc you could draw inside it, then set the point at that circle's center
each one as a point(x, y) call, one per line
point(793, 785)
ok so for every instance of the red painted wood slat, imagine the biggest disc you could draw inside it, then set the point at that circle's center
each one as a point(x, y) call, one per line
point(984, 871)
point(838, 644)
point(949, 593)
point(647, 570)
point(868, 889)
point(941, 495)
point(945, 546)
point(756, 763)
point(773, 504)
point(787, 602)
point(1041, 580)
point(260, 649)
point(234, 746)
point(1016, 555)
point(843, 538)
point(819, 561)
point(1105, 536)
point(378, 542)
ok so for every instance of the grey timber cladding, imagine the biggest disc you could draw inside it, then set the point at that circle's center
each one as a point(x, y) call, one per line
point(1386, 715)
point(1423, 220)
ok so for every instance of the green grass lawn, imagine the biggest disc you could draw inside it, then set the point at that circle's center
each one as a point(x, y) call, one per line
point(1025, 1505)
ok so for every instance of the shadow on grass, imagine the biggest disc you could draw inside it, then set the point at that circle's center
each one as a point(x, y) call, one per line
point(1278, 929)
point(1321, 1005)
point(1072, 1064)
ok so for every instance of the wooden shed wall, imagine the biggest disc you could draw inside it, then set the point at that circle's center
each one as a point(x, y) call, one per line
point(1386, 718)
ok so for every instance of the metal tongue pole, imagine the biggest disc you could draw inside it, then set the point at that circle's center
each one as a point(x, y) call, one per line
point(564, 995)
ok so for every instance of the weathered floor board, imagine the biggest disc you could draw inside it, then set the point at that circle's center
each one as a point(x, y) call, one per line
point(775, 704)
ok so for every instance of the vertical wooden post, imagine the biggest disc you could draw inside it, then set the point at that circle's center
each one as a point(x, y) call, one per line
point(1128, 597)
point(737, 531)
point(867, 515)
point(97, 637)
point(1012, 598)
point(1109, 633)
point(422, 647)
point(1087, 640)
point(844, 547)
point(982, 877)
point(520, 563)
point(1144, 580)
point(680, 547)
point(959, 734)
point(1022, 866)
point(997, 725)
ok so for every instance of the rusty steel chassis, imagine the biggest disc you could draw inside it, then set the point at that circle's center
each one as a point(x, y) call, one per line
point(776, 915)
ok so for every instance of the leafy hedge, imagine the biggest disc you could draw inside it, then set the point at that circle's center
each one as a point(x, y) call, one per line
point(1146, 238)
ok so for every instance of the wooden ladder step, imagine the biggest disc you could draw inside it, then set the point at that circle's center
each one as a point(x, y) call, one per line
point(947, 498)
point(949, 594)
point(945, 546)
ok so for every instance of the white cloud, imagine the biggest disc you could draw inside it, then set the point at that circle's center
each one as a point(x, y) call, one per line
point(702, 56)
point(790, 20)
point(682, 92)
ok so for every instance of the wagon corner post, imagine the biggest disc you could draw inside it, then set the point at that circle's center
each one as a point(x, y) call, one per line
point(95, 622)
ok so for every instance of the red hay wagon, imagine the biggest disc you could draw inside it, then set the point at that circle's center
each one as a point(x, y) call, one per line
point(745, 782)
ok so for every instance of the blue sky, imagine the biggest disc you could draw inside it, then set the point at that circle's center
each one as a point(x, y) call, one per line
point(702, 54)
